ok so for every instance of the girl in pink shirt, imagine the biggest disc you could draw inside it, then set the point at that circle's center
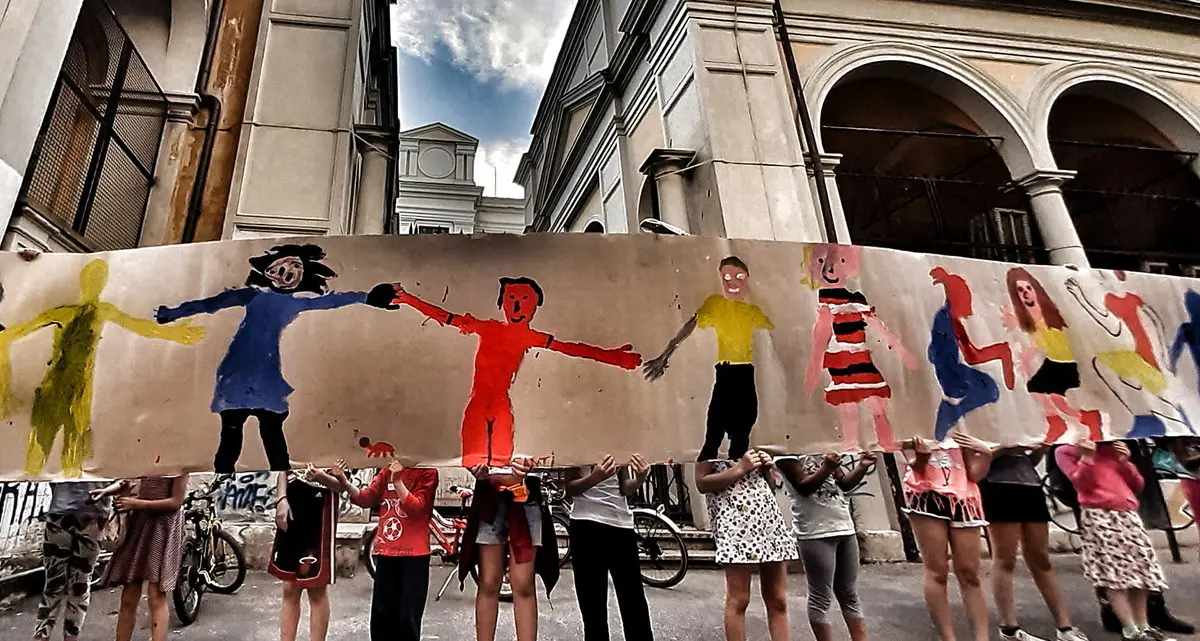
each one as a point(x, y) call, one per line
point(1117, 553)
point(941, 494)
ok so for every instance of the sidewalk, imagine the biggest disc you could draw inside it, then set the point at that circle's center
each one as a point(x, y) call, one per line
point(689, 612)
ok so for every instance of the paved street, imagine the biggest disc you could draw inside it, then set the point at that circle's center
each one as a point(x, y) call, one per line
point(691, 611)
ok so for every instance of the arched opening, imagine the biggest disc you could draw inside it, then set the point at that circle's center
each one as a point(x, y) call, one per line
point(1135, 199)
point(920, 171)
point(594, 227)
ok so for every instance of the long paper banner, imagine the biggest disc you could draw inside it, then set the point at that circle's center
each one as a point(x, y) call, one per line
point(445, 350)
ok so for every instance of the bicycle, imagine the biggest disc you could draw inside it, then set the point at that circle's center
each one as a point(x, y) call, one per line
point(212, 558)
point(662, 566)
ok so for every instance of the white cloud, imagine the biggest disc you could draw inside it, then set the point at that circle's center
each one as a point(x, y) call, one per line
point(496, 164)
point(513, 41)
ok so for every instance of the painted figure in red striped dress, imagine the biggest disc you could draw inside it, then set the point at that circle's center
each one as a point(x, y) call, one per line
point(840, 344)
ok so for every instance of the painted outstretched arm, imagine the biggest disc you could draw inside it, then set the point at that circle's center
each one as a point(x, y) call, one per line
point(1103, 318)
point(623, 356)
point(657, 366)
point(185, 334)
point(211, 305)
point(58, 316)
point(891, 340)
point(822, 332)
point(433, 312)
point(977, 355)
point(334, 300)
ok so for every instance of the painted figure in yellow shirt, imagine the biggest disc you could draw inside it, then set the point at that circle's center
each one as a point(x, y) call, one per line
point(1036, 314)
point(733, 408)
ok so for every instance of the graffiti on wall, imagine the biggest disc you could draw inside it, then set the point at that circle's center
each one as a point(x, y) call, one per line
point(21, 508)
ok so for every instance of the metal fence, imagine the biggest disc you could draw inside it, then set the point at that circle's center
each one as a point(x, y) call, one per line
point(93, 164)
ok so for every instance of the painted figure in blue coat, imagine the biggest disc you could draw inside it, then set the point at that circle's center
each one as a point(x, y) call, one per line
point(953, 355)
point(1189, 332)
point(283, 283)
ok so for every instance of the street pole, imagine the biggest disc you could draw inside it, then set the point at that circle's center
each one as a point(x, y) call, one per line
point(804, 126)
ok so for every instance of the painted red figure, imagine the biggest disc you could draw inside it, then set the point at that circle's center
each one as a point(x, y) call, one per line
point(487, 429)
point(958, 295)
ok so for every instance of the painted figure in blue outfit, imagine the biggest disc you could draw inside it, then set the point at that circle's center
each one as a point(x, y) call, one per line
point(1189, 332)
point(283, 283)
point(966, 388)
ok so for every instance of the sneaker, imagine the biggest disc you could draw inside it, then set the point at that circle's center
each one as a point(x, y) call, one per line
point(1074, 634)
point(1154, 634)
point(1021, 635)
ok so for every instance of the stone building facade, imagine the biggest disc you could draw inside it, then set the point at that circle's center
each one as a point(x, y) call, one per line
point(438, 193)
point(1051, 131)
point(145, 122)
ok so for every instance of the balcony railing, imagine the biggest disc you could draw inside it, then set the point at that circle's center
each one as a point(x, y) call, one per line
point(93, 164)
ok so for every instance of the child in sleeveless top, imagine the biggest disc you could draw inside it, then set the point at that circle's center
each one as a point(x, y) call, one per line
point(302, 556)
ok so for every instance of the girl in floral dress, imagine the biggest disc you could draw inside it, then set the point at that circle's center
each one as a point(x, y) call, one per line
point(1118, 555)
point(749, 531)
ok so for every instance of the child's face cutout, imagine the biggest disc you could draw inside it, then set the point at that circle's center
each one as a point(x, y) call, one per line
point(285, 273)
point(735, 282)
point(519, 303)
point(833, 265)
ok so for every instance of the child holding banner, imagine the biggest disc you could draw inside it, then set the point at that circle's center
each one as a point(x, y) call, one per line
point(151, 550)
point(508, 521)
point(302, 557)
point(750, 533)
point(404, 498)
point(941, 493)
point(1118, 555)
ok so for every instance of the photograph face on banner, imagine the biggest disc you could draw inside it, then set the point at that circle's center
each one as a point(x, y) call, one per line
point(266, 354)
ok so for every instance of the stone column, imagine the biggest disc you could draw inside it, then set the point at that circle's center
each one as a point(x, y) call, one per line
point(1053, 219)
point(174, 175)
point(665, 167)
point(829, 163)
point(371, 211)
point(33, 42)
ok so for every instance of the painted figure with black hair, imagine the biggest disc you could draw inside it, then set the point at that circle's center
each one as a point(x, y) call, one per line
point(733, 408)
point(487, 429)
point(283, 283)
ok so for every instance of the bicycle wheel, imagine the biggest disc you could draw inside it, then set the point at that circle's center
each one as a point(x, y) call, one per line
point(227, 571)
point(189, 589)
point(662, 553)
point(368, 552)
point(562, 538)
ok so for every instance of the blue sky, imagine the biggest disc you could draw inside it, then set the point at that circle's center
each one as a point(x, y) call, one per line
point(479, 66)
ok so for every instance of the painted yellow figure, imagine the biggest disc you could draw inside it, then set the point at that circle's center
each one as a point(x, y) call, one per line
point(63, 402)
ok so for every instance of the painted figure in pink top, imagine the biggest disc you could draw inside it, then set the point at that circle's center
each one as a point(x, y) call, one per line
point(1117, 553)
point(941, 494)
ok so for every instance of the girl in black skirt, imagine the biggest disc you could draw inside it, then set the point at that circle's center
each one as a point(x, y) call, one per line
point(1018, 517)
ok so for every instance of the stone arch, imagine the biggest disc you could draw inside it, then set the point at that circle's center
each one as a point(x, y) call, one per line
point(990, 105)
point(1148, 97)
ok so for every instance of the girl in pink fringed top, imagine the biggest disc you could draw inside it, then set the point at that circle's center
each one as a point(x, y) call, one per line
point(942, 499)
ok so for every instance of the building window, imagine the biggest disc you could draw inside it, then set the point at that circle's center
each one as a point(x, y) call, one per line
point(92, 166)
point(432, 229)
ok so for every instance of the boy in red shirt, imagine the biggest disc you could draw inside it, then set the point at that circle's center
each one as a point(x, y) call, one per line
point(404, 498)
